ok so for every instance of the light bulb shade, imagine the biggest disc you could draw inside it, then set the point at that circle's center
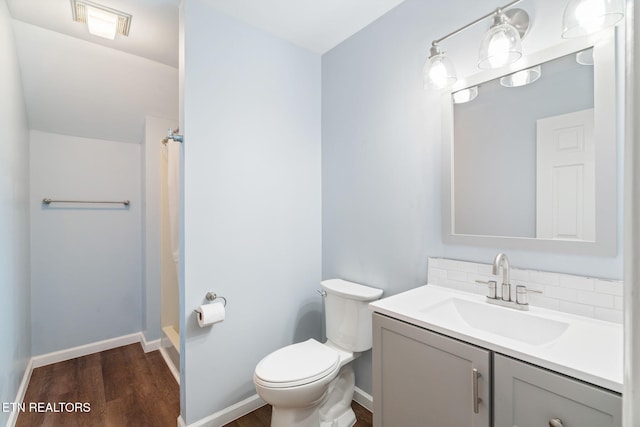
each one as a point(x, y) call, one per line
point(439, 72)
point(522, 77)
point(585, 57)
point(501, 45)
point(584, 17)
point(465, 95)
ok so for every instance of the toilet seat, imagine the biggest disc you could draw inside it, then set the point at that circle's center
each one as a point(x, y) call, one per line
point(296, 365)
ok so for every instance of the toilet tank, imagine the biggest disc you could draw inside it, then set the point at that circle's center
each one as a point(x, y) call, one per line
point(347, 314)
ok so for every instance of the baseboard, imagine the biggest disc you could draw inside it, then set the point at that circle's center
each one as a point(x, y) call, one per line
point(96, 347)
point(254, 402)
point(363, 398)
point(22, 390)
point(148, 346)
point(228, 414)
point(170, 365)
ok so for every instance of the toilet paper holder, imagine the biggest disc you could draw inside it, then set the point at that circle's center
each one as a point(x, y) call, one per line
point(211, 297)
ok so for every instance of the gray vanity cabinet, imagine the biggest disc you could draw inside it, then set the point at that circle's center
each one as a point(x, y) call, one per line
point(528, 396)
point(421, 378)
point(425, 379)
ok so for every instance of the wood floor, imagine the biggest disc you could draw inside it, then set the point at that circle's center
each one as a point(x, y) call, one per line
point(123, 387)
point(119, 387)
point(262, 417)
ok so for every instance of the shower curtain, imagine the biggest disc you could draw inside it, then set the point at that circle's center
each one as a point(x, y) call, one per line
point(173, 177)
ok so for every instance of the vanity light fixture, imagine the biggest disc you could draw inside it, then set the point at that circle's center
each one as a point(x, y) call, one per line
point(584, 17)
point(500, 46)
point(585, 57)
point(439, 71)
point(465, 95)
point(101, 21)
point(522, 77)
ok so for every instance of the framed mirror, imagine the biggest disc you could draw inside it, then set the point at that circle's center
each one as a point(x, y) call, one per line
point(530, 153)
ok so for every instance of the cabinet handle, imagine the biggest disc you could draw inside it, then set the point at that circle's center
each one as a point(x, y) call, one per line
point(476, 400)
point(555, 422)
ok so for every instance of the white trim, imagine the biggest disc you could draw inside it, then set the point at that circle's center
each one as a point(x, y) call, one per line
point(228, 414)
point(250, 404)
point(22, 390)
point(149, 346)
point(631, 391)
point(170, 365)
point(363, 398)
point(84, 350)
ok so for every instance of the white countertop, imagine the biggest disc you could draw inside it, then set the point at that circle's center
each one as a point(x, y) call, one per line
point(590, 350)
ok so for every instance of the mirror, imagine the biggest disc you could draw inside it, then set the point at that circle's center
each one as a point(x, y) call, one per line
point(534, 166)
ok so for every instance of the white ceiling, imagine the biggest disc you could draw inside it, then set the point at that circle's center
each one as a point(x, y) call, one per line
point(82, 85)
point(154, 25)
point(315, 25)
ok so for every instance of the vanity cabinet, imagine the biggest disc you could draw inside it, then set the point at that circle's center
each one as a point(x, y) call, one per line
point(421, 378)
point(529, 396)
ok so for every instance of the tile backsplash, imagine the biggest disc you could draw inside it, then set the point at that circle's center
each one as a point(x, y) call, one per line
point(584, 296)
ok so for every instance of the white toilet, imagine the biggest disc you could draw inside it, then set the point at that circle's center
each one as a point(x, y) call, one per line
point(310, 384)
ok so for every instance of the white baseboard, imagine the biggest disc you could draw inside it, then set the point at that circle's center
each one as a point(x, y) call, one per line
point(228, 414)
point(148, 346)
point(22, 390)
point(363, 398)
point(254, 402)
point(83, 350)
point(169, 363)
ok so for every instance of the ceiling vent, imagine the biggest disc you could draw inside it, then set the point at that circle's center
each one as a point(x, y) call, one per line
point(101, 20)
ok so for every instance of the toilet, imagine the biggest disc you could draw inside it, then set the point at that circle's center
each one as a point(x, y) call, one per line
point(310, 384)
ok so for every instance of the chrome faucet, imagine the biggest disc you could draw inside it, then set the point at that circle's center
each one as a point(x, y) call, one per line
point(518, 299)
point(501, 260)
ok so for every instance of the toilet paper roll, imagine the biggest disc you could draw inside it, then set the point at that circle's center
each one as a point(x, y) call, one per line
point(208, 314)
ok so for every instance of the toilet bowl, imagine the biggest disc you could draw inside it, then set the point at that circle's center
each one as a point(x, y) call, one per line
point(310, 384)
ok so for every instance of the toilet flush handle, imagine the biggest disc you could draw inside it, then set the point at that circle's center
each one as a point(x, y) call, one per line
point(322, 292)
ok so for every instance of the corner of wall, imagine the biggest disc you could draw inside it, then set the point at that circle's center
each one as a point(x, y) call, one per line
point(15, 309)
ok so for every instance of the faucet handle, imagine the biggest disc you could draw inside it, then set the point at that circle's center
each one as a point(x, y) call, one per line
point(493, 287)
point(521, 294)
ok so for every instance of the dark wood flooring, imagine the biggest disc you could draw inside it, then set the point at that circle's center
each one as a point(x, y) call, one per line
point(123, 387)
point(262, 417)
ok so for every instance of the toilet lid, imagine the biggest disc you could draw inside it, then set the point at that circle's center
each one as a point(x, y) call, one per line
point(297, 364)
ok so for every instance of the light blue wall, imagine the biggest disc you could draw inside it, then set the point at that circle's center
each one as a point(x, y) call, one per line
point(381, 150)
point(85, 260)
point(251, 202)
point(15, 334)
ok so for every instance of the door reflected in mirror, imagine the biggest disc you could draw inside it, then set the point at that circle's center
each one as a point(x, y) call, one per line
point(502, 158)
point(530, 153)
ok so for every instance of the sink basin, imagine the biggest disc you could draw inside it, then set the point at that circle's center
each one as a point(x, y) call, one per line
point(506, 322)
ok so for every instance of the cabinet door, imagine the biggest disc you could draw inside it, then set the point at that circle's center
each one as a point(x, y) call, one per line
point(424, 379)
point(528, 396)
